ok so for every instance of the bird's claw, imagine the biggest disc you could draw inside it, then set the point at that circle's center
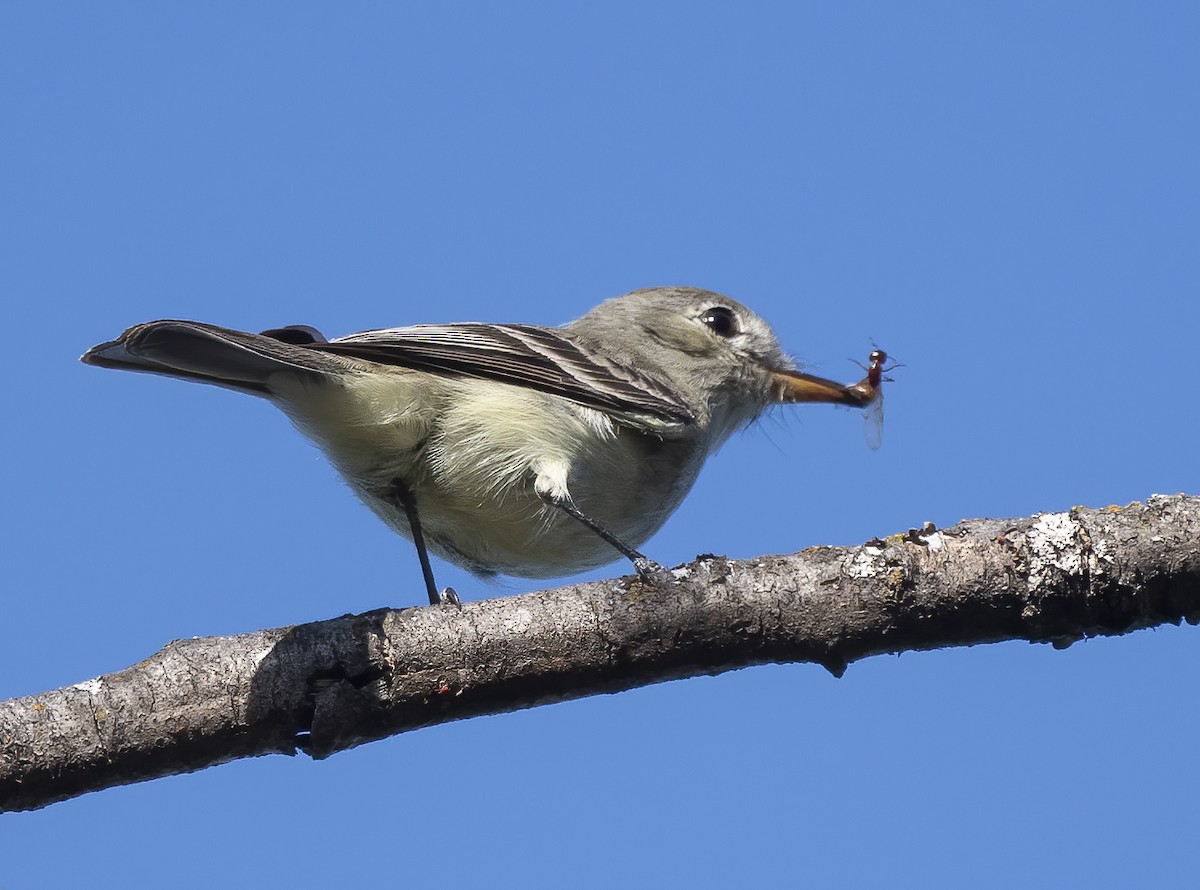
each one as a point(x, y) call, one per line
point(648, 568)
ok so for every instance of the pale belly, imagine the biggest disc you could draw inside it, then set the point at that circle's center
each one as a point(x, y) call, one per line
point(477, 459)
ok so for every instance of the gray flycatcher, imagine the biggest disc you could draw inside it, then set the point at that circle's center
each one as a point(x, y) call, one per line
point(511, 448)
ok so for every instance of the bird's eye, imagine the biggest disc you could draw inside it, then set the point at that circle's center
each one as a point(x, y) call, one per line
point(721, 320)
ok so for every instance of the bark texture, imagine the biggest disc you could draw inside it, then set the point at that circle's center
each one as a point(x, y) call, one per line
point(330, 685)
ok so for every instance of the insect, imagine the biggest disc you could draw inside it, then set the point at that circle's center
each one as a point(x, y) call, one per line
point(872, 385)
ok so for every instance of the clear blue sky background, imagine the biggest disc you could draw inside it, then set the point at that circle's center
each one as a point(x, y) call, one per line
point(1004, 195)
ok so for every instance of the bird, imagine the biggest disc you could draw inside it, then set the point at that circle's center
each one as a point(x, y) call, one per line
point(512, 449)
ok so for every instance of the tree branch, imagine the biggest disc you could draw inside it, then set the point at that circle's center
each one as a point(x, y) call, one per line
point(331, 685)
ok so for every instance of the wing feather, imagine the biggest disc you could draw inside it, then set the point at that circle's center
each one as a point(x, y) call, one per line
point(544, 359)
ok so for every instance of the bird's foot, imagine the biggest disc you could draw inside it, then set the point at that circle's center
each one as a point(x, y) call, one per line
point(650, 571)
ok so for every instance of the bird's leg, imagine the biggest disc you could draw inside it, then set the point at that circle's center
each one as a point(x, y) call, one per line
point(644, 566)
point(404, 497)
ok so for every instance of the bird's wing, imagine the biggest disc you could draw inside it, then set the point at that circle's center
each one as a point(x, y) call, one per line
point(544, 359)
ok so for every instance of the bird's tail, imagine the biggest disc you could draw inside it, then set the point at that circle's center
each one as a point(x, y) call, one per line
point(206, 353)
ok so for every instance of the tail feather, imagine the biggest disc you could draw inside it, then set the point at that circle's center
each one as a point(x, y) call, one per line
point(195, 351)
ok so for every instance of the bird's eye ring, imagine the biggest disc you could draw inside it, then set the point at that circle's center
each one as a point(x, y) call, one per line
point(721, 321)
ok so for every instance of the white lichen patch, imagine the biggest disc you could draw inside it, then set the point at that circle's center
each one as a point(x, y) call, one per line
point(520, 620)
point(935, 541)
point(1054, 545)
point(91, 687)
point(681, 574)
point(865, 563)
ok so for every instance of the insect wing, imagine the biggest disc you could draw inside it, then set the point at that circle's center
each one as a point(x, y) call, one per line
point(873, 421)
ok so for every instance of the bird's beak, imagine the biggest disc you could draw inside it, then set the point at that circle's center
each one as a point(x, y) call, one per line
point(796, 386)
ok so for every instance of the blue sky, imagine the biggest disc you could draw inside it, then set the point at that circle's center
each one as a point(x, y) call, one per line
point(1003, 195)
